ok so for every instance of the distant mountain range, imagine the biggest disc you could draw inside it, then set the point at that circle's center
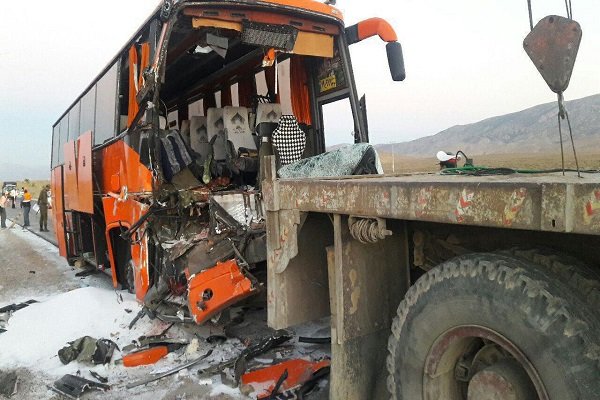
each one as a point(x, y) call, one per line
point(534, 130)
point(14, 172)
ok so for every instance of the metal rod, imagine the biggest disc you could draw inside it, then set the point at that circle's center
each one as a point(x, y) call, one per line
point(530, 14)
point(561, 114)
point(562, 154)
point(573, 144)
point(170, 372)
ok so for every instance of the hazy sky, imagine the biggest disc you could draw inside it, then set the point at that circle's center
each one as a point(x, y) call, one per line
point(464, 62)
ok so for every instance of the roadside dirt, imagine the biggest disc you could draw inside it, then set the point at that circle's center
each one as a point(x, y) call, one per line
point(28, 271)
point(402, 164)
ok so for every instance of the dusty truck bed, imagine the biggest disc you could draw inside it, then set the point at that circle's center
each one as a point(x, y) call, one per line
point(316, 268)
point(547, 202)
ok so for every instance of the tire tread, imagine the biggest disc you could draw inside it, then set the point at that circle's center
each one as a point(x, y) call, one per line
point(510, 273)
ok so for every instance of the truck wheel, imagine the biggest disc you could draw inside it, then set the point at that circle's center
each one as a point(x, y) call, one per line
point(584, 279)
point(487, 326)
point(130, 276)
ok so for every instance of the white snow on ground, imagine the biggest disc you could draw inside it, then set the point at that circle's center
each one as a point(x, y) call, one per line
point(36, 333)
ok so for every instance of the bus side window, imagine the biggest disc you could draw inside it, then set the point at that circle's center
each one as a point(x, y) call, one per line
point(55, 145)
point(123, 105)
point(74, 119)
point(64, 137)
point(87, 111)
point(106, 106)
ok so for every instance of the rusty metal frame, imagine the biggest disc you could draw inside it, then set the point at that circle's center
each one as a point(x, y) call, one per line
point(544, 202)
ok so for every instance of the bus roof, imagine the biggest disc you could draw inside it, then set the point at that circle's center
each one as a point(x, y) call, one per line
point(312, 7)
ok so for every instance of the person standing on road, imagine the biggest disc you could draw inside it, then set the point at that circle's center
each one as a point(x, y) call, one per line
point(43, 204)
point(3, 204)
point(26, 204)
point(13, 196)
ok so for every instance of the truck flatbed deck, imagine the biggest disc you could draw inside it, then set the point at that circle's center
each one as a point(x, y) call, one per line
point(545, 202)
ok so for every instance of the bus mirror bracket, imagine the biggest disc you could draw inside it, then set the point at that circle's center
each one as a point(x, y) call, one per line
point(380, 27)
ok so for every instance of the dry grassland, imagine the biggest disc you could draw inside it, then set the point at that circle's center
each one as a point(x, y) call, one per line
point(407, 164)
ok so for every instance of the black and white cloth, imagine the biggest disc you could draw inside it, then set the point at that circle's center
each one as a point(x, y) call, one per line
point(289, 140)
point(174, 154)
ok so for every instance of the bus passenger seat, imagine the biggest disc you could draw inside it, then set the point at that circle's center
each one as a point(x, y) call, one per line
point(267, 118)
point(268, 112)
point(185, 131)
point(289, 140)
point(199, 138)
point(237, 128)
point(217, 135)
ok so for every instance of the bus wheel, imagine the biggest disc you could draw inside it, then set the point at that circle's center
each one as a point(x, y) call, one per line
point(487, 326)
point(130, 276)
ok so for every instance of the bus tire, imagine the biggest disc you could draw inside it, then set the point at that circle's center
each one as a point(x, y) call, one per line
point(484, 321)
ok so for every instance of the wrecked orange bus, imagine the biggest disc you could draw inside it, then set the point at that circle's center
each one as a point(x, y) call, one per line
point(194, 168)
point(156, 166)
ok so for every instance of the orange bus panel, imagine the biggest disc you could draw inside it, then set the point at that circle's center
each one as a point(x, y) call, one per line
point(216, 288)
point(121, 167)
point(70, 171)
point(85, 191)
point(58, 209)
point(145, 356)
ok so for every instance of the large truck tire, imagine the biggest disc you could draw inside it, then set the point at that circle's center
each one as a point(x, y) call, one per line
point(488, 326)
point(584, 279)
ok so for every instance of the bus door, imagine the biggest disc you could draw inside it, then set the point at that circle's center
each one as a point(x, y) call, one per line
point(58, 216)
point(78, 199)
point(340, 118)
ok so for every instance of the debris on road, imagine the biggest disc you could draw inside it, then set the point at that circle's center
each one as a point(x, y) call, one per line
point(315, 340)
point(216, 339)
point(148, 350)
point(16, 306)
point(88, 350)
point(151, 353)
point(7, 311)
point(268, 343)
point(170, 372)
point(8, 383)
point(99, 377)
point(290, 376)
point(86, 271)
point(73, 387)
point(228, 347)
point(239, 364)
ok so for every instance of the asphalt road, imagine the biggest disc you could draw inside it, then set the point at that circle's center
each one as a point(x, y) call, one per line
point(16, 215)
